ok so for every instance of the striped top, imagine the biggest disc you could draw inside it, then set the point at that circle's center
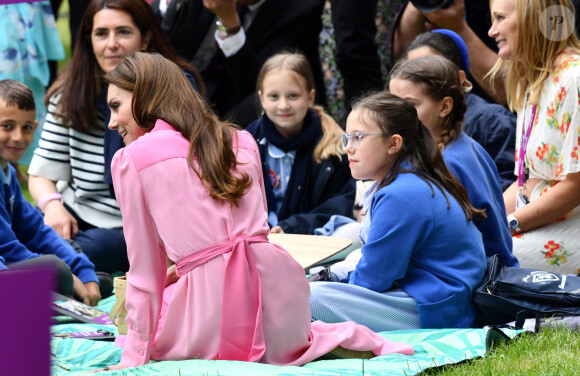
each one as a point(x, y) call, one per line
point(77, 160)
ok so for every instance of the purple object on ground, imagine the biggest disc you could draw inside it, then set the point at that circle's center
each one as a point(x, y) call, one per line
point(25, 318)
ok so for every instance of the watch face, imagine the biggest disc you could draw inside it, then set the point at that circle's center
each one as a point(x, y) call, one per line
point(514, 224)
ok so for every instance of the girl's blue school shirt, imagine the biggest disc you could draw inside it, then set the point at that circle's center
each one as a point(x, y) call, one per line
point(432, 251)
point(280, 169)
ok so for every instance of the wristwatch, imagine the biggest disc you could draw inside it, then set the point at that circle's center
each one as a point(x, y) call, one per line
point(226, 31)
point(514, 223)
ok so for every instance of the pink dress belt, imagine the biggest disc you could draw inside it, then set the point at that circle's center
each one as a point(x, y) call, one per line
point(241, 331)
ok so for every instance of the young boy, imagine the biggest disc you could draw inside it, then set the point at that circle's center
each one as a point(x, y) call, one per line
point(25, 241)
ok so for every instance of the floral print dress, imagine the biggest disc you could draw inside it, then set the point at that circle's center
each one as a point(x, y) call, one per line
point(552, 153)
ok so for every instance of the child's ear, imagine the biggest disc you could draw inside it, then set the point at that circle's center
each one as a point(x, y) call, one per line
point(446, 107)
point(311, 96)
point(394, 144)
point(35, 124)
point(462, 76)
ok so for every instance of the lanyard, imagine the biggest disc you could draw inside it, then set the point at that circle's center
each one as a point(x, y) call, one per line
point(524, 145)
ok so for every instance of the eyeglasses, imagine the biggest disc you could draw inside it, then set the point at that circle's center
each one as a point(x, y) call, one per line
point(355, 138)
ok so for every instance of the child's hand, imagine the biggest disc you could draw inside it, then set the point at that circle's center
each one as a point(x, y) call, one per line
point(276, 230)
point(57, 217)
point(87, 293)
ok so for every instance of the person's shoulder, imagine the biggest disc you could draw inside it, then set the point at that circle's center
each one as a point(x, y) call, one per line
point(157, 145)
point(406, 186)
point(244, 140)
point(568, 70)
point(458, 145)
point(254, 127)
point(461, 152)
point(477, 105)
point(463, 155)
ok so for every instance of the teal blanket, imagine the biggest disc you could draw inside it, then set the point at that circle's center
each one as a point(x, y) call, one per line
point(433, 348)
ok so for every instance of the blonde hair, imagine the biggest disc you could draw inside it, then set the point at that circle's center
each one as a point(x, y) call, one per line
point(297, 64)
point(534, 55)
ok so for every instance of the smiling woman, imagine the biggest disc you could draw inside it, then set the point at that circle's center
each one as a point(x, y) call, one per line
point(122, 119)
point(541, 64)
point(505, 27)
point(75, 147)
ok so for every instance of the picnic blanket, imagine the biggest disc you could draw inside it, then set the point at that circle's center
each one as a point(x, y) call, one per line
point(433, 348)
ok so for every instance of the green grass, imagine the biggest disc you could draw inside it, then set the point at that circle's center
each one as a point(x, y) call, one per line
point(24, 185)
point(553, 351)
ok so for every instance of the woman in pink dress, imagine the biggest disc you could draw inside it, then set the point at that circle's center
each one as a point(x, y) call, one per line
point(190, 190)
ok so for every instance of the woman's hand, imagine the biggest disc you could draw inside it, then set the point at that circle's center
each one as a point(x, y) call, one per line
point(57, 217)
point(115, 367)
point(55, 214)
point(551, 205)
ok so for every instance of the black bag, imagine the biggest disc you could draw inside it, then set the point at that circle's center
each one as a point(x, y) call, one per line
point(506, 294)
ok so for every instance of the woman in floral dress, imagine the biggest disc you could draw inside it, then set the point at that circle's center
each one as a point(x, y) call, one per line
point(542, 67)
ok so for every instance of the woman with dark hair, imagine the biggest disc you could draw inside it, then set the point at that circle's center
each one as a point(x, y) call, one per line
point(237, 296)
point(73, 147)
point(422, 256)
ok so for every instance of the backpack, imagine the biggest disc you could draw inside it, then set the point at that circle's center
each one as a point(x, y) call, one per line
point(507, 294)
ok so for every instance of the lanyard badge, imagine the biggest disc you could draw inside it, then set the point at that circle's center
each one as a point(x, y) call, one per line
point(522, 199)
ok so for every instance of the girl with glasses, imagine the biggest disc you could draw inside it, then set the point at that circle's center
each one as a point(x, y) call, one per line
point(422, 255)
point(306, 173)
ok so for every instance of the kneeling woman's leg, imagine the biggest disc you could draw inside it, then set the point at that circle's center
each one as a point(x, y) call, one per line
point(106, 248)
point(334, 302)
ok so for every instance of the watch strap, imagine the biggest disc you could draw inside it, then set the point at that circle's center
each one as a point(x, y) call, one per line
point(225, 30)
point(514, 223)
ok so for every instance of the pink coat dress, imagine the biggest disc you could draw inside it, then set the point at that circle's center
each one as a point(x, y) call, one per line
point(238, 297)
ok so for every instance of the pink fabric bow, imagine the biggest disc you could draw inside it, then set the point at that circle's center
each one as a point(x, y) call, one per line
point(241, 331)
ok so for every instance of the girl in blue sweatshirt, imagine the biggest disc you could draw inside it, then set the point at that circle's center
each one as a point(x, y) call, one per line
point(422, 256)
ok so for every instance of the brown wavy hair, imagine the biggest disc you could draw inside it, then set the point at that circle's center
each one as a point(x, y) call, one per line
point(439, 78)
point(297, 64)
point(394, 115)
point(81, 82)
point(161, 91)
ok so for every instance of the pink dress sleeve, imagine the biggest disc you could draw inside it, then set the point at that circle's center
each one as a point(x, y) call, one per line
point(146, 253)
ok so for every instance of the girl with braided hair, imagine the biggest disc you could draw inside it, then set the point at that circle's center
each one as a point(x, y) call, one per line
point(433, 85)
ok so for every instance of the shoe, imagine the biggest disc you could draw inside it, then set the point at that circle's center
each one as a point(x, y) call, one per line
point(323, 275)
point(342, 353)
point(105, 284)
